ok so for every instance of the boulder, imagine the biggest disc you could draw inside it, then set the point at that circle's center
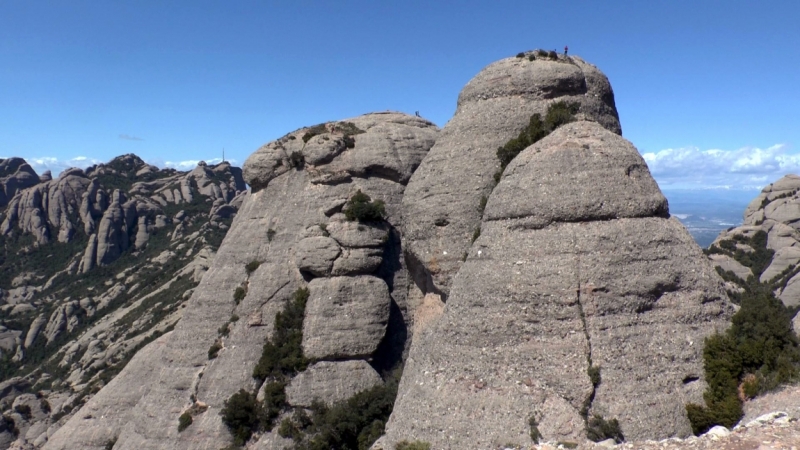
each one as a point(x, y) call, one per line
point(357, 261)
point(315, 255)
point(331, 382)
point(345, 317)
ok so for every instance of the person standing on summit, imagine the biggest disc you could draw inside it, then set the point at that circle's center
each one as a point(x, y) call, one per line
point(566, 49)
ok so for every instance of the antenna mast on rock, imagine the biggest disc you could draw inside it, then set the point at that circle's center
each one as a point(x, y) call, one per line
point(223, 154)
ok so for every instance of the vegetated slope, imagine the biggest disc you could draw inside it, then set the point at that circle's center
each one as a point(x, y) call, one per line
point(93, 266)
point(767, 245)
point(316, 242)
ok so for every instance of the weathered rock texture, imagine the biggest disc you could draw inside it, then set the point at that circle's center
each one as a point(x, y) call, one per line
point(577, 265)
point(290, 223)
point(80, 323)
point(444, 195)
point(775, 212)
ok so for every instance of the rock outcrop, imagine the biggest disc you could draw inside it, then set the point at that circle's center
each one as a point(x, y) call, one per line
point(292, 224)
point(579, 296)
point(444, 195)
point(15, 175)
point(562, 292)
point(767, 244)
point(77, 324)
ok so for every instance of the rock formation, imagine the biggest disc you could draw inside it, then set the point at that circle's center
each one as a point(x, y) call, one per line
point(560, 294)
point(94, 265)
point(444, 194)
point(767, 244)
point(358, 309)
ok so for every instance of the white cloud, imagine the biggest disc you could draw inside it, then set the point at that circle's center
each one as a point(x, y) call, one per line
point(745, 168)
point(56, 166)
point(189, 164)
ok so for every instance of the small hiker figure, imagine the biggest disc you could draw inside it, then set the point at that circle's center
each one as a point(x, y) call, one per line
point(566, 49)
point(417, 113)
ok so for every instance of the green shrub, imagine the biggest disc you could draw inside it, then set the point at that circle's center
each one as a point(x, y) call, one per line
point(224, 330)
point(521, 55)
point(24, 411)
point(531, 58)
point(759, 342)
point(184, 421)
point(214, 350)
point(110, 444)
point(297, 160)
point(314, 131)
point(594, 375)
point(552, 54)
point(274, 401)
point(294, 427)
point(239, 294)
point(416, 445)
point(541, 53)
point(241, 413)
point(355, 423)
point(598, 429)
point(482, 204)
point(476, 234)
point(361, 207)
point(252, 266)
point(282, 355)
point(234, 318)
point(270, 234)
point(558, 113)
point(536, 435)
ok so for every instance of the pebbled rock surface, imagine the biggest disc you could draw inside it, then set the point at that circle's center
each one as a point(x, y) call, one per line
point(288, 204)
point(599, 276)
point(444, 195)
point(331, 382)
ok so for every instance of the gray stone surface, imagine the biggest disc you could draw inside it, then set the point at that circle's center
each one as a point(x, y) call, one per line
point(289, 204)
point(727, 263)
point(545, 292)
point(315, 255)
point(444, 194)
point(357, 261)
point(784, 258)
point(346, 317)
point(579, 172)
point(331, 382)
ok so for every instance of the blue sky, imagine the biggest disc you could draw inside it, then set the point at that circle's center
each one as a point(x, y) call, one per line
point(707, 90)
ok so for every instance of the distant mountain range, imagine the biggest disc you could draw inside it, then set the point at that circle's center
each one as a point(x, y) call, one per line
point(708, 212)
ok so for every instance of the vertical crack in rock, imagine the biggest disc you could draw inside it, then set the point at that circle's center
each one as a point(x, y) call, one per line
point(587, 403)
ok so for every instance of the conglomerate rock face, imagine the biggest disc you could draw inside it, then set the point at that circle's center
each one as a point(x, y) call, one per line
point(358, 313)
point(444, 195)
point(578, 269)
